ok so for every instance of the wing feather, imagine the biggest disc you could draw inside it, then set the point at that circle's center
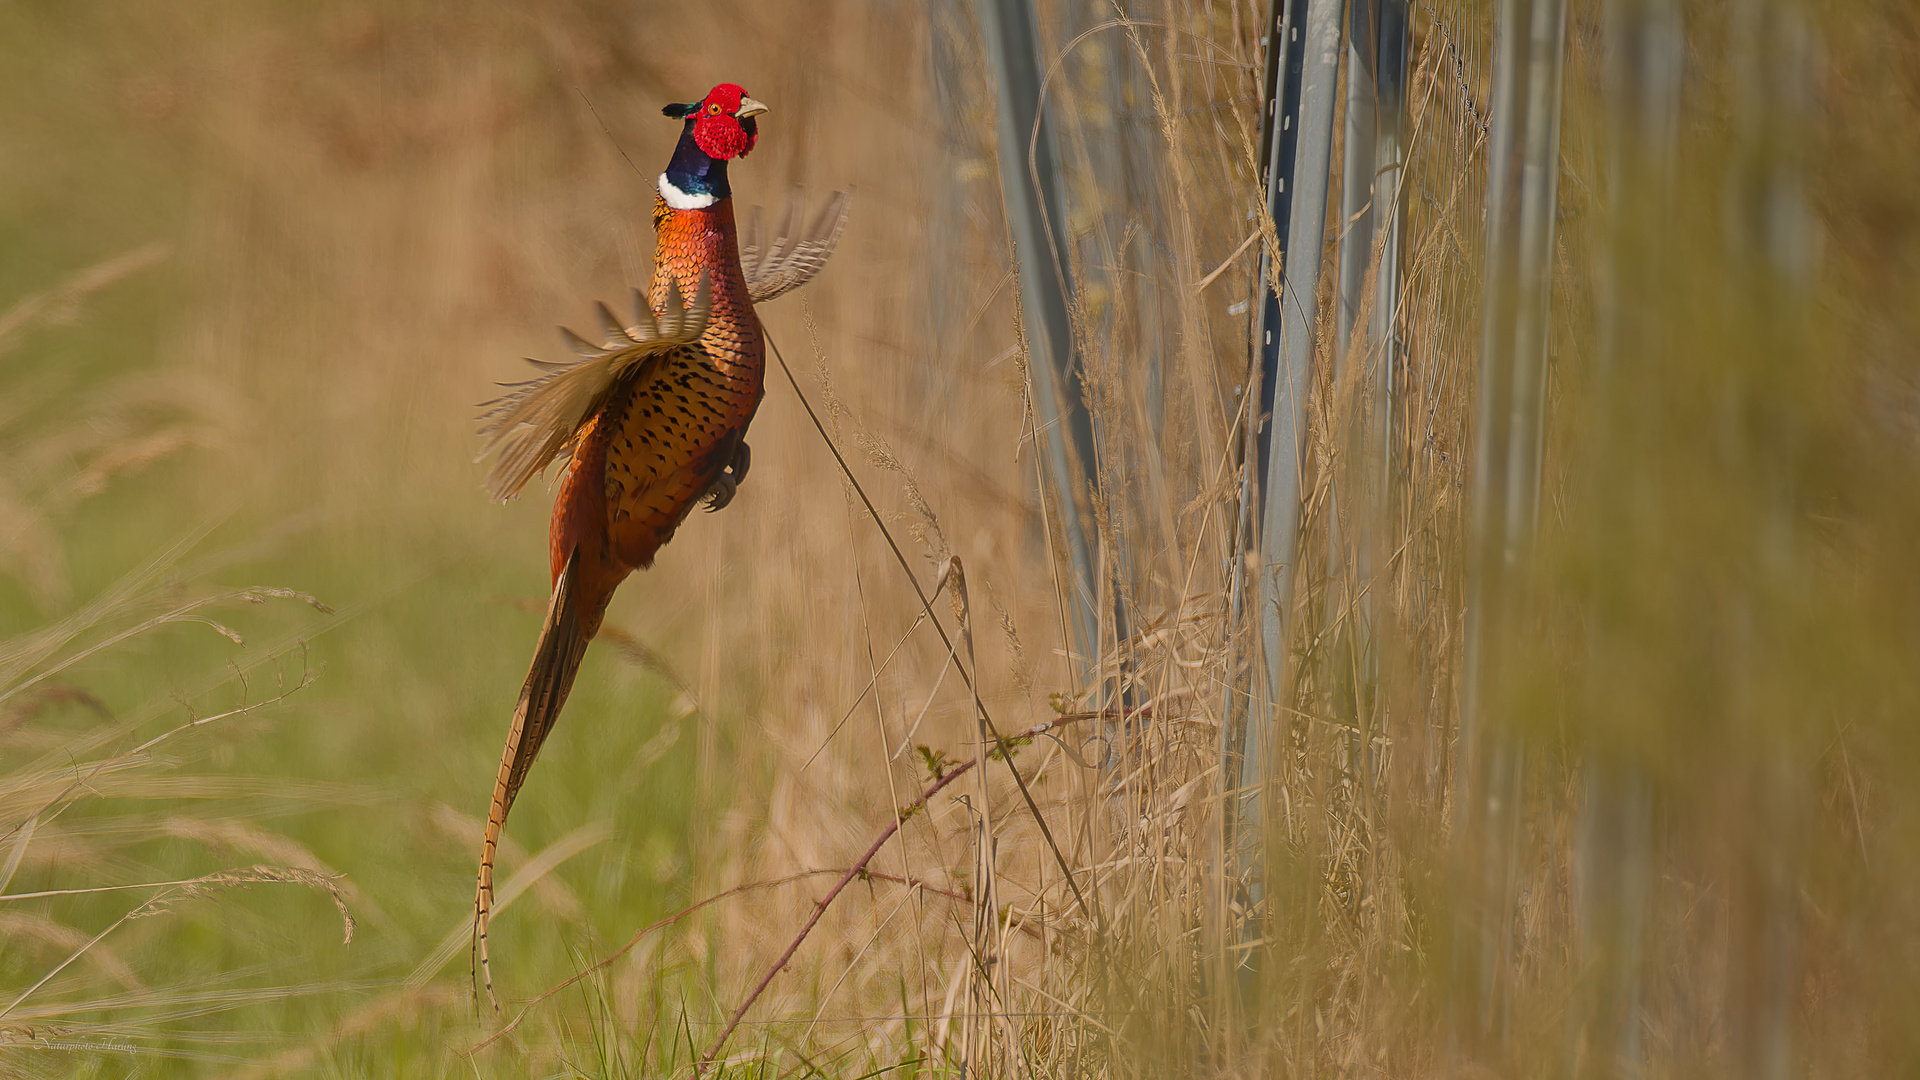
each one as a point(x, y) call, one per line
point(794, 253)
point(610, 327)
point(535, 420)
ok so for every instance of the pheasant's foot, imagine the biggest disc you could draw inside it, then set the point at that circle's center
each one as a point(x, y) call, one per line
point(720, 492)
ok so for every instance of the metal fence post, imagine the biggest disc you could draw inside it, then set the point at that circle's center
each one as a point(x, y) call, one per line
point(1287, 331)
point(1357, 189)
point(1302, 58)
point(1038, 227)
point(1775, 50)
point(1522, 197)
point(1612, 872)
point(1238, 707)
point(1370, 198)
point(1369, 227)
point(1390, 91)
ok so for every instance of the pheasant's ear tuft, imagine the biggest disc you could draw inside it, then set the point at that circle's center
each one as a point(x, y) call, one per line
point(678, 111)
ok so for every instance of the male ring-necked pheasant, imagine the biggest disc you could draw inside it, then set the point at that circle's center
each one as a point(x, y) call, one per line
point(652, 421)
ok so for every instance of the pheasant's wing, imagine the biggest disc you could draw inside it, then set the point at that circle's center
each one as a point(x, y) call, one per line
point(793, 254)
point(535, 420)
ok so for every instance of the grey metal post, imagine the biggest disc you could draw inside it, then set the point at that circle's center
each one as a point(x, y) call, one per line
point(1287, 332)
point(1351, 499)
point(1612, 870)
point(1774, 50)
point(1035, 219)
point(1390, 83)
point(1237, 708)
point(1523, 174)
point(1357, 188)
point(1279, 105)
point(1370, 192)
point(1369, 197)
point(1522, 194)
point(1303, 56)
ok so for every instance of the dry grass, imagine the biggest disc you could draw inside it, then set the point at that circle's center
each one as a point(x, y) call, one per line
point(1705, 701)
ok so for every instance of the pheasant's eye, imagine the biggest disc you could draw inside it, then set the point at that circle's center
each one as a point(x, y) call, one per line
point(713, 110)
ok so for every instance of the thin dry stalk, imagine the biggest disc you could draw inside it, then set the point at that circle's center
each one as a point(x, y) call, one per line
point(1001, 748)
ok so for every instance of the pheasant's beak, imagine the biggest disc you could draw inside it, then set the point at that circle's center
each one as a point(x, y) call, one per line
point(749, 107)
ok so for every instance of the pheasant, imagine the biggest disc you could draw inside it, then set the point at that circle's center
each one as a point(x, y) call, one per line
point(652, 422)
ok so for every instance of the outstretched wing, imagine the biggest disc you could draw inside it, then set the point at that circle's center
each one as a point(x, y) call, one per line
point(535, 420)
point(792, 255)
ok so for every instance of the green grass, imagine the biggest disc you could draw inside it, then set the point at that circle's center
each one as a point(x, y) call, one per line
point(374, 771)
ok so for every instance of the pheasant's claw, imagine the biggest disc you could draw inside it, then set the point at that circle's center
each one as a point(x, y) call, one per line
point(720, 493)
point(725, 485)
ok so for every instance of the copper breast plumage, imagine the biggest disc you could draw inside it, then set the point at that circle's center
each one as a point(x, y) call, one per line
point(673, 426)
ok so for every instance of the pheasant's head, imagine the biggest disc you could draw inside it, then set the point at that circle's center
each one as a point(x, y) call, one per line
point(719, 128)
point(722, 123)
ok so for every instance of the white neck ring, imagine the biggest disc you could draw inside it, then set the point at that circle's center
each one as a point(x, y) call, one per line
point(681, 200)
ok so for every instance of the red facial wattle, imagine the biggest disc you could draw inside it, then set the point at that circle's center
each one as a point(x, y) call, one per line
point(718, 131)
point(723, 137)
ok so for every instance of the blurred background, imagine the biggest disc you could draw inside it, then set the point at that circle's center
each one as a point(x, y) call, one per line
point(1560, 726)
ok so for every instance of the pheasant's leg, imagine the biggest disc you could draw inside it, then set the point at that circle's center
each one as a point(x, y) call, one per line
point(742, 457)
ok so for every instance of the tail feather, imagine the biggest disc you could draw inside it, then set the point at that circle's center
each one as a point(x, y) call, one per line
point(563, 641)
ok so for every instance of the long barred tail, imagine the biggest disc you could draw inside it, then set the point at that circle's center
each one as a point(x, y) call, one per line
point(563, 641)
